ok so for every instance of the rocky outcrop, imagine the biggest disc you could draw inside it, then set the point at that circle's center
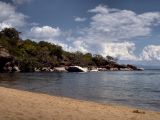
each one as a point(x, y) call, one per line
point(76, 69)
point(7, 62)
point(60, 69)
point(120, 67)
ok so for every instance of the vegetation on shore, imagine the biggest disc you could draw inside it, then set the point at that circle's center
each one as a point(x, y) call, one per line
point(28, 55)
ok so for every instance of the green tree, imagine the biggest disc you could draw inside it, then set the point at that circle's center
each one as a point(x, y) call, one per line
point(111, 59)
point(30, 47)
point(87, 60)
point(99, 60)
point(12, 34)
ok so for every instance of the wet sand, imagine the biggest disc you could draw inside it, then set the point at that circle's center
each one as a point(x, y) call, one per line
point(22, 105)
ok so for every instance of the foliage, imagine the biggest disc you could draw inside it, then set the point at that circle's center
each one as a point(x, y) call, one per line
point(99, 60)
point(31, 55)
point(12, 34)
point(111, 59)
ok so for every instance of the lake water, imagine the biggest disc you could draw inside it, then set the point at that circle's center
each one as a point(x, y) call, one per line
point(134, 88)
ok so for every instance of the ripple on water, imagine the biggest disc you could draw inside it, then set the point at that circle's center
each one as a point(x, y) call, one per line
point(139, 88)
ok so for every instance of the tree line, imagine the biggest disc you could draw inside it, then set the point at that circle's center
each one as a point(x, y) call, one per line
point(30, 54)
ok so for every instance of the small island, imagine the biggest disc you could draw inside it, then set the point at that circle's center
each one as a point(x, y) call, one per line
point(17, 55)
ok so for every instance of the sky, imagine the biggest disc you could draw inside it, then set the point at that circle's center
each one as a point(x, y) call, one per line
point(125, 29)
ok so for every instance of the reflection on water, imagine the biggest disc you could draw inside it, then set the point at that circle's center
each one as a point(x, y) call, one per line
point(139, 89)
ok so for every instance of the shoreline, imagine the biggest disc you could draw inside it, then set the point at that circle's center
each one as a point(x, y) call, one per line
point(86, 100)
point(23, 105)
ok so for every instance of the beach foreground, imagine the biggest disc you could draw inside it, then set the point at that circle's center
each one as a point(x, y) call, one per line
point(22, 105)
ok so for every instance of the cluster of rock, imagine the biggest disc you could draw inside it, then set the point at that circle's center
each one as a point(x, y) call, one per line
point(49, 69)
point(119, 67)
point(89, 69)
point(7, 62)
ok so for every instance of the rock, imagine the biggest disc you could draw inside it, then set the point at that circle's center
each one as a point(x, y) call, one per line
point(16, 69)
point(140, 69)
point(46, 69)
point(102, 69)
point(76, 69)
point(37, 70)
point(114, 69)
point(7, 69)
point(94, 70)
point(6, 60)
point(60, 69)
point(51, 70)
point(121, 67)
point(132, 67)
point(125, 69)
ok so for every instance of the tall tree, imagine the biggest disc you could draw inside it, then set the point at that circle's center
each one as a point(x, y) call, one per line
point(12, 34)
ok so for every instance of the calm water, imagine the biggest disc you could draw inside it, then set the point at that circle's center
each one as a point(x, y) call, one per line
point(138, 89)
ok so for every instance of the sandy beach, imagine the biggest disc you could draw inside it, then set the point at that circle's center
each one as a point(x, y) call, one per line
point(22, 105)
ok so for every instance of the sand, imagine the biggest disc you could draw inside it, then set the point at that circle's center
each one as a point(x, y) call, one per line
point(22, 105)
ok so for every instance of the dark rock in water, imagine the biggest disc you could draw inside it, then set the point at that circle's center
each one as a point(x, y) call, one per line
point(140, 69)
point(76, 69)
point(15, 69)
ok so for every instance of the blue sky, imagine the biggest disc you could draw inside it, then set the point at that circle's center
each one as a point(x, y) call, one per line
point(126, 29)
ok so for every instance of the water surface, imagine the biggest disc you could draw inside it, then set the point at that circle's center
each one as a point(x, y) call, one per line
point(139, 89)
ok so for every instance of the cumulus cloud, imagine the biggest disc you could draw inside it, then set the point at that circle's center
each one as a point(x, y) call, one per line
point(9, 17)
point(151, 52)
point(79, 19)
point(123, 50)
point(110, 31)
point(45, 33)
point(52, 35)
point(110, 28)
point(115, 25)
point(78, 46)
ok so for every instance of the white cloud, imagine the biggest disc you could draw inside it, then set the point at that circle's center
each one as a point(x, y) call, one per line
point(78, 46)
point(110, 28)
point(9, 17)
point(123, 50)
point(115, 25)
point(45, 33)
point(151, 52)
point(3, 25)
point(52, 35)
point(79, 19)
